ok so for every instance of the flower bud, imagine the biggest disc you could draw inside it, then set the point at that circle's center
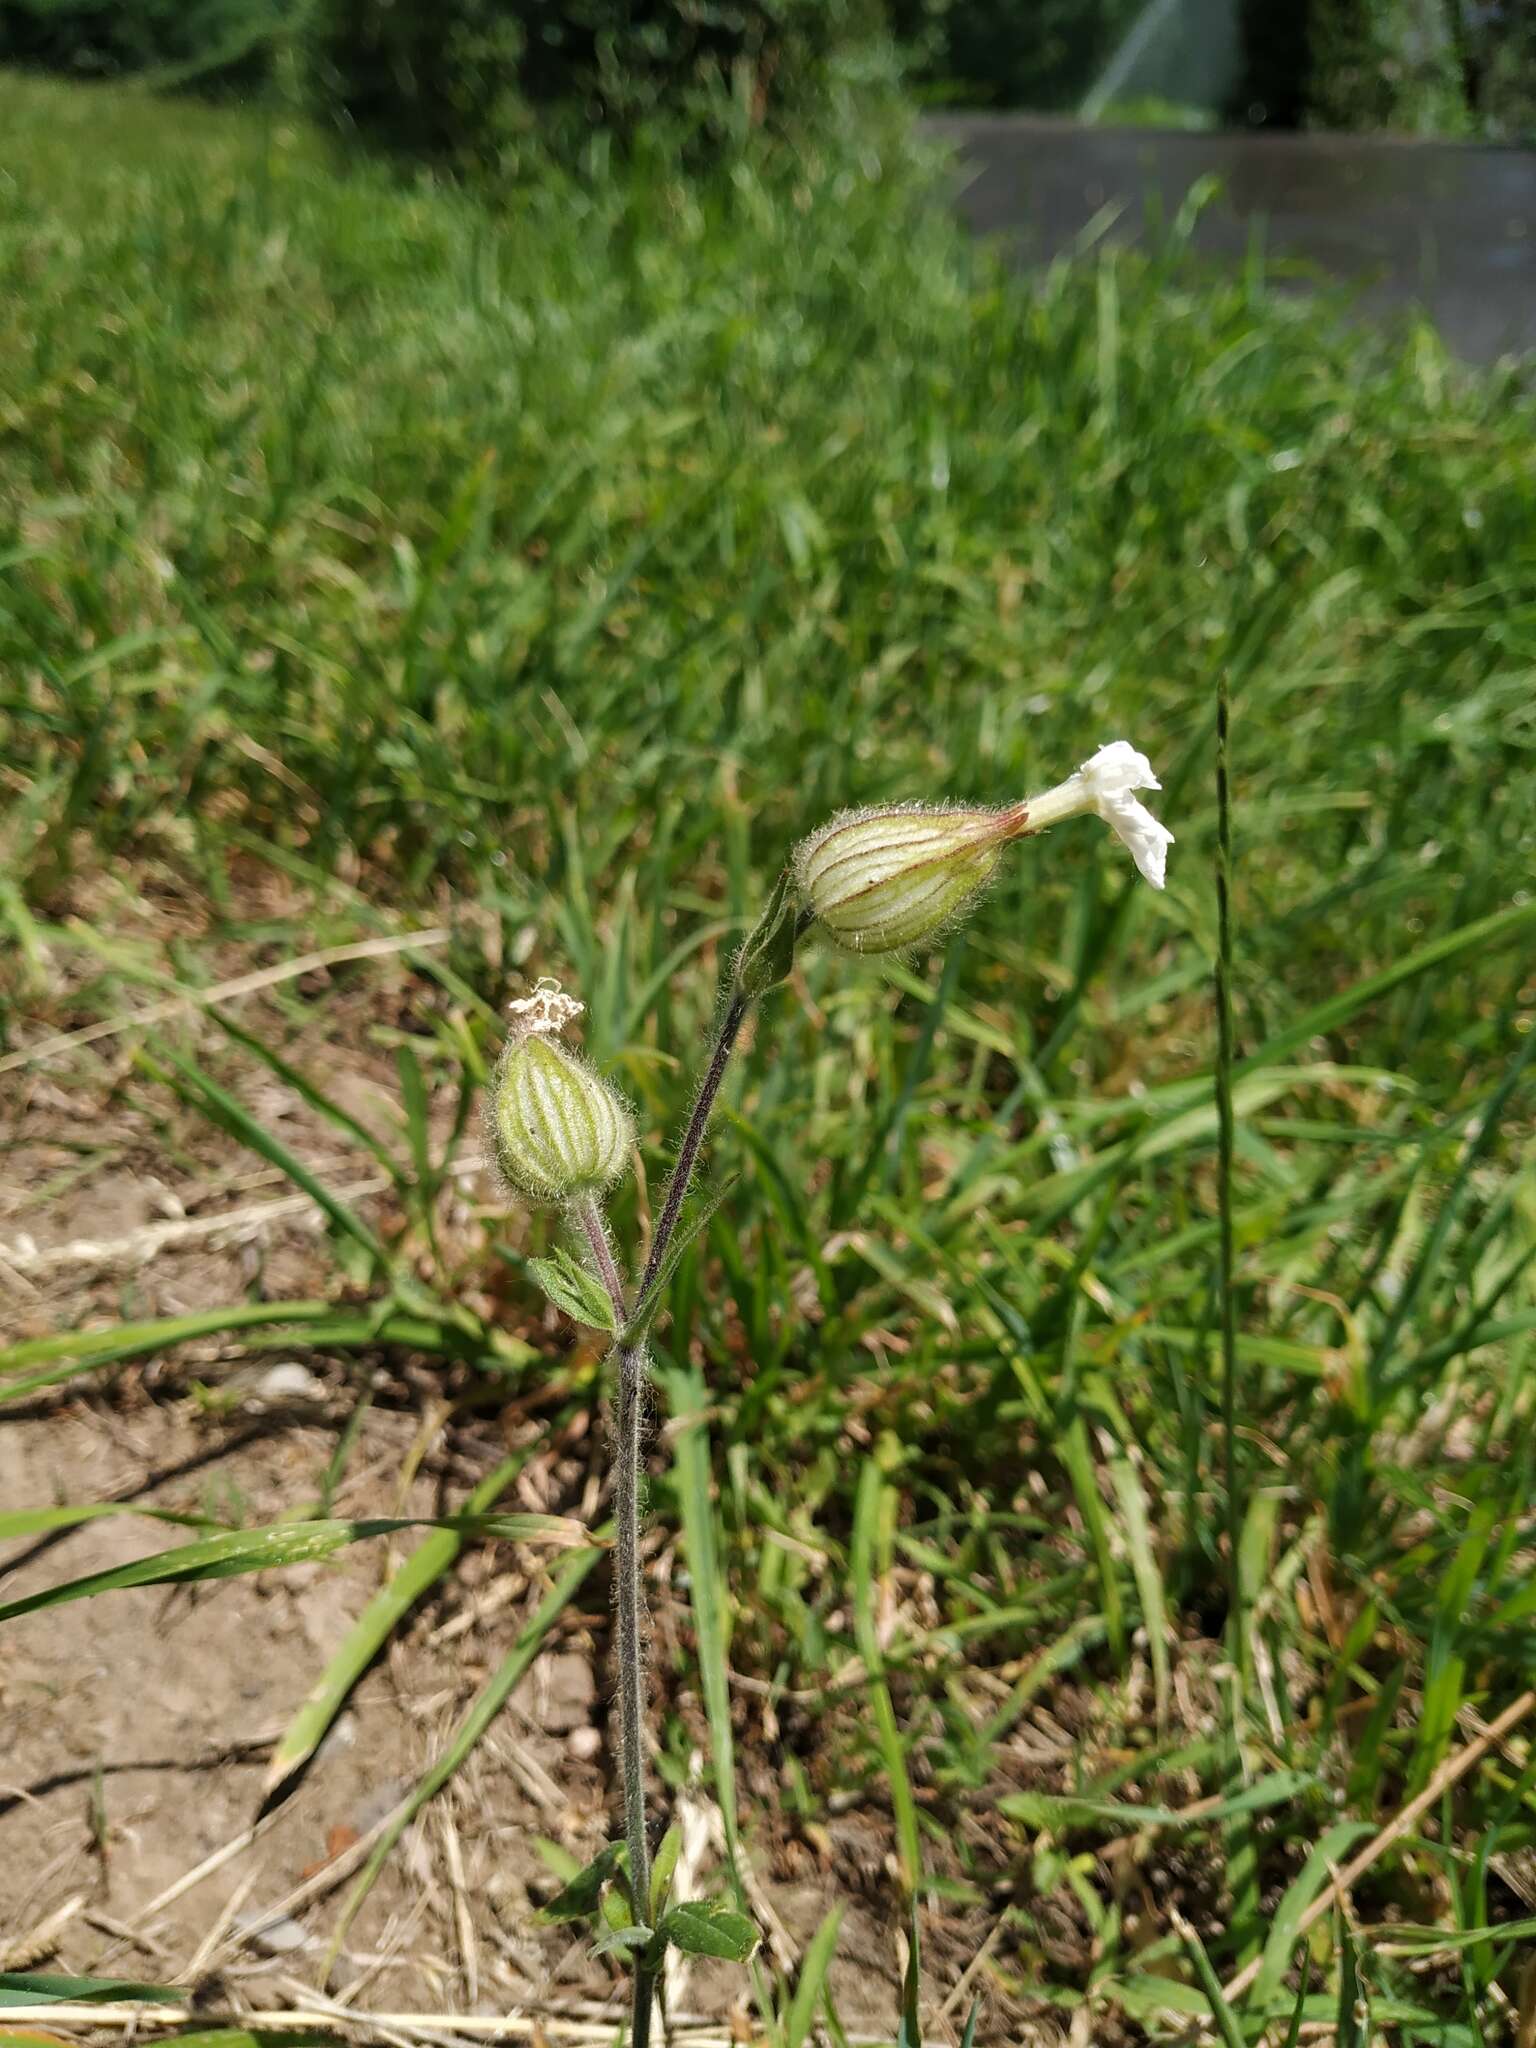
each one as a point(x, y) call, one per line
point(880, 880)
point(555, 1128)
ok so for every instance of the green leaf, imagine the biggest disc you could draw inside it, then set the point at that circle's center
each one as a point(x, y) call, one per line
point(487, 1704)
point(1284, 1930)
point(695, 1220)
point(584, 1894)
point(282, 1324)
point(222, 1109)
point(626, 1940)
point(768, 951)
point(38, 1521)
point(43, 1987)
point(1222, 2013)
point(869, 1520)
point(221, 2037)
point(687, 1400)
point(576, 1292)
point(237, 1551)
point(427, 1563)
point(1059, 1812)
point(662, 1867)
point(801, 2017)
point(709, 1927)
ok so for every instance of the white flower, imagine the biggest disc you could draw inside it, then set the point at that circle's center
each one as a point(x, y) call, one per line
point(545, 1013)
point(1106, 785)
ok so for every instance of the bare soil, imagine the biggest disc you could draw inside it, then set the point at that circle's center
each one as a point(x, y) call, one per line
point(140, 1723)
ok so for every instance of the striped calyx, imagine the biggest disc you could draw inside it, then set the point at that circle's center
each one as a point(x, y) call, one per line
point(556, 1129)
point(880, 880)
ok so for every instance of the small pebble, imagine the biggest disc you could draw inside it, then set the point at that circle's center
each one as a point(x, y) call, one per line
point(280, 1937)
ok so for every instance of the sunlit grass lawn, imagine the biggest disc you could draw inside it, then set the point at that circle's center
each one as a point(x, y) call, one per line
point(546, 564)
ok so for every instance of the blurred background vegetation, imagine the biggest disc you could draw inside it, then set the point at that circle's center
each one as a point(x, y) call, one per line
point(461, 75)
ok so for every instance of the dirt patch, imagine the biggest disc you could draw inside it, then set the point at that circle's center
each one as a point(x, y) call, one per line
point(142, 1721)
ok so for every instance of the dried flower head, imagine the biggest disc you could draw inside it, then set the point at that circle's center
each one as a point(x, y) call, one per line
point(555, 1129)
point(546, 1012)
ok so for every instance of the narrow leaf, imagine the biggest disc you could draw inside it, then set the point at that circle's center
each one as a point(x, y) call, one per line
point(801, 2016)
point(487, 1705)
point(43, 1987)
point(253, 1550)
point(427, 1563)
point(584, 1894)
point(1060, 1811)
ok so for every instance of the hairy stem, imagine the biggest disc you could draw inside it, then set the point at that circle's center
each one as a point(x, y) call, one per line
point(629, 1422)
point(595, 1231)
point(628, 1435)
point(693, 1137)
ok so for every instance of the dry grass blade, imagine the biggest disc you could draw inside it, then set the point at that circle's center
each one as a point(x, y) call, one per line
point(1450, 1772)
point(481, 1714)
point(223, 992)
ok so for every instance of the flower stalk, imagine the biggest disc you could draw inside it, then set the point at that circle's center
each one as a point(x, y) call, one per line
point(872, 881)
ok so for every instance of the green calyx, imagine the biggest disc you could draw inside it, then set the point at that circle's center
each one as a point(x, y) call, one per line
point(878, 881)
point(557, 1130)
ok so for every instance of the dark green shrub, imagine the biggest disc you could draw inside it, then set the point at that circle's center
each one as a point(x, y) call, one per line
point(455, 77)
point(215, 43)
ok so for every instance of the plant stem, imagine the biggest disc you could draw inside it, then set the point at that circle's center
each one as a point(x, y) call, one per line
point(628, 1430)
point(628, 1435)
point(595, 1232)
point(1227, 1131)
point(693, 1137)
point(629, 1422)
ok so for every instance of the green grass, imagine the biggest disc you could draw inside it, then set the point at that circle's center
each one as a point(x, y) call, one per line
point(546, 564)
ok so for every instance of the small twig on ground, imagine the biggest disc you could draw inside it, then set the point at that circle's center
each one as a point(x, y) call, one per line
point(30, 1949)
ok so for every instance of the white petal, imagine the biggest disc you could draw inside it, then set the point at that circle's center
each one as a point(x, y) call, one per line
point(1147, 839)
point(1105, 786)
point(1117, 769)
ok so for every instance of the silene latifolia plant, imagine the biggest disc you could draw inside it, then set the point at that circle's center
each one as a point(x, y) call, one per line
point(873, 881)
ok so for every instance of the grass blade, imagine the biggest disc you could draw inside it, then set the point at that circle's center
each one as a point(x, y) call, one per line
point(801, 2016)
point(1327, 1854)
point(238, 1551)
point(690, 1453)
point(44, 1987)
point(189, 1080)
point(868, 1515)
point(427, 1563)
point(1221, 2013)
